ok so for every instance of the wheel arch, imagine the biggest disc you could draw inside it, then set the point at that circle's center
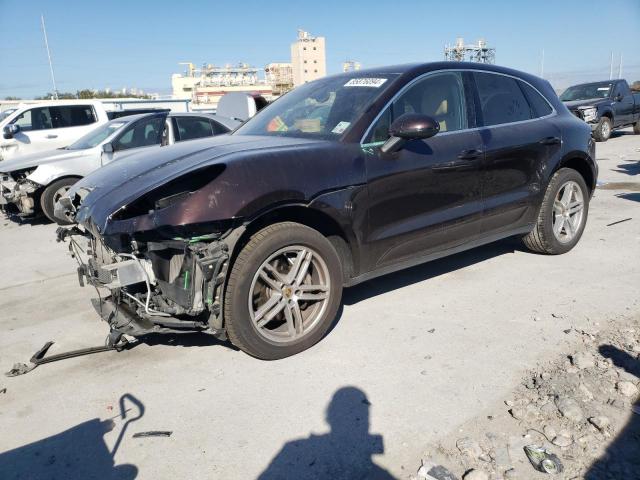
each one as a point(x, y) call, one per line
point(583, 165)
point(303, 214)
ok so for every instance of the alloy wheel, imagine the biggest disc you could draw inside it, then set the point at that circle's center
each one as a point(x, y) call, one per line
point(568, 211)
point(289, 294)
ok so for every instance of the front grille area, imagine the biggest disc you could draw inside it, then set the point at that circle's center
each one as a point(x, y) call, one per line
point(578, 114)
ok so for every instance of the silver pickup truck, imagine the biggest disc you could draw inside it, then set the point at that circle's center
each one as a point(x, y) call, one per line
point(33, 183)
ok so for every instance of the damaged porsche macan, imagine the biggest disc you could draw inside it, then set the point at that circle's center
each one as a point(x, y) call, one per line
point(253, 235)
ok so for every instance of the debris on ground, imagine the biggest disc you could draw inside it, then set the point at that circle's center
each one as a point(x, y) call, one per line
point(575, 415)
point(153, 433)
point(3, 390)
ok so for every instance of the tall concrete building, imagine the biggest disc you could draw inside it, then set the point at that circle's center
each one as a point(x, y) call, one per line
point(308, 58)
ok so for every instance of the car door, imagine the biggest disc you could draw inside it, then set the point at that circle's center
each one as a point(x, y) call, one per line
point(623, 104)
point(425, 197)
point(141, 134)
point(519, 138)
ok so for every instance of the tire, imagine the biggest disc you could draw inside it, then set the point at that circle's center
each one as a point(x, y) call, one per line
point(542, 238)
point(275, 252)
point(50, 196)
point(636, 128)
point(603, 130)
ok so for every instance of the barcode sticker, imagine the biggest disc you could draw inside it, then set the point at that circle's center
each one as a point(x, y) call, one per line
point(366, 82)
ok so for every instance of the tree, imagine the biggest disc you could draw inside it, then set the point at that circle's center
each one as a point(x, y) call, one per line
point(635, 86)
point(12, 98)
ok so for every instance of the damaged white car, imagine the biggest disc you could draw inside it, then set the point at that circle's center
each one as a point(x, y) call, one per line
point(32, 184)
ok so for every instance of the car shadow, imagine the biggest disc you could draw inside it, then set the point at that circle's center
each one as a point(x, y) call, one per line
point(634, 197)
point(429, 270)
point(622, 457)
point(629, 168)
point(621, 133)
point(14, 217)
point(187, 339)
point(345, 452)
point(79, 452)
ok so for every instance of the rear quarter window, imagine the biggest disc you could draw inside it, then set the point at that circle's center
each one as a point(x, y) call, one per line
point(539, 106)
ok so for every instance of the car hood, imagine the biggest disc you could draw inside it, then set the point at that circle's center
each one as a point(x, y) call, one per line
point(590, 102)
point(41, 158)
point(119, 183)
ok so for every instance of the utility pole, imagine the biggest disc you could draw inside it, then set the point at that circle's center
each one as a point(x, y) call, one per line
point(611, 66)
point(620, 67)
point(46, 44)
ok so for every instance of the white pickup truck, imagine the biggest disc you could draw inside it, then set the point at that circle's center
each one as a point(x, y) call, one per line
point(50, 125)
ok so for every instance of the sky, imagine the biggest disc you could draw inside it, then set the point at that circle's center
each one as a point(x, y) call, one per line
point(139, 43)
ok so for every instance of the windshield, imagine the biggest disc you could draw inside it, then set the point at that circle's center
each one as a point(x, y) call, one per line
point(587, 91)
point(323, 109)
point(97, 136)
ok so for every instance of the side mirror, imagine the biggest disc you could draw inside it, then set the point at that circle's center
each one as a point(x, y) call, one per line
point(619, 97)
point(410, 126)
point(10, 130)
point(107, 148)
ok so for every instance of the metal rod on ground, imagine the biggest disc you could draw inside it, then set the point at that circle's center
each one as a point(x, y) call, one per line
point(46, 44)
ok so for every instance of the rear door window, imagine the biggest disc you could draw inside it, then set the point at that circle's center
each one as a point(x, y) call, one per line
point(501, 99)
point(192, 127)
point(72, 116)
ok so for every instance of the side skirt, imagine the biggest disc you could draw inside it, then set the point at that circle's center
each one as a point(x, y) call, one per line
point(436, 255)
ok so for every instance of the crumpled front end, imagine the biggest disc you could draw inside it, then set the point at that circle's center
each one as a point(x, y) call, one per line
point(17, 191)
point(154, 286)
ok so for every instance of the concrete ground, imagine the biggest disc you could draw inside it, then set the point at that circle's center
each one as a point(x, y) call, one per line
point(414, 355)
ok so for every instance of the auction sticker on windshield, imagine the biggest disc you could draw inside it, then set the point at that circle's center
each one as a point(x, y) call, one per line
point(366, 82)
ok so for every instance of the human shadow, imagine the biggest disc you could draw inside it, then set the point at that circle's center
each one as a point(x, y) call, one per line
point(622, 458)
point(79, 452)
point(426, 271)
point(343, 453)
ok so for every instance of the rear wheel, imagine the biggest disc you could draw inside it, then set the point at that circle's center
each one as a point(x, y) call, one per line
point(284, 291)
point(602, 131)
point(52, 194)
point(562, 216)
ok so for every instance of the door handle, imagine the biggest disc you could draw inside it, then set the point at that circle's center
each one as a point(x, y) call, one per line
point(550, 141)
point(465, 161)
point(472, 154)
point(52, 136)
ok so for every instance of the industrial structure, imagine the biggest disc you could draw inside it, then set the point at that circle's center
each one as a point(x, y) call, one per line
point(350, 66)
point(280, 77)
point(205, 86)
point(475, 52)
point(308, 58)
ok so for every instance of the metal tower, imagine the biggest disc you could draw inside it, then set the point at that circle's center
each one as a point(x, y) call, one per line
point(476, 52)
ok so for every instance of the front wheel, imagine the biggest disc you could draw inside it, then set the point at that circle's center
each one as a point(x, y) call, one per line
point(562, 216)
point(284, 291)
point(52, 194)
point(602, 131)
